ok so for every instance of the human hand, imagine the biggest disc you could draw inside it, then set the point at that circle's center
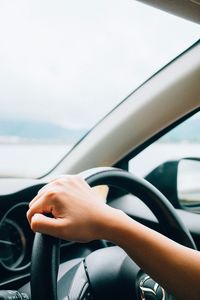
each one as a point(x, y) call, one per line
point(78, 212)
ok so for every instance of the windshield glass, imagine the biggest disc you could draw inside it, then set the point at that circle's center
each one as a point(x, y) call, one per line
point(65, 64)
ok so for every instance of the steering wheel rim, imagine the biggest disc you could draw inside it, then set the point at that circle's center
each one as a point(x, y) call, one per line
point(45, 253)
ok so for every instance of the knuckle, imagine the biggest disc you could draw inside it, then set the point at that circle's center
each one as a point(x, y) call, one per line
point(51, 194)
point(64, 181)
point(75, 181)
point(70, 180)
point(58, 182)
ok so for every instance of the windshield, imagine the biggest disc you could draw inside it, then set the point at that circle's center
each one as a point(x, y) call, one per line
point(65, 64)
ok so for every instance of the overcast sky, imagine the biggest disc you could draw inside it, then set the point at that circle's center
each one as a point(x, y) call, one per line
point(72, 61)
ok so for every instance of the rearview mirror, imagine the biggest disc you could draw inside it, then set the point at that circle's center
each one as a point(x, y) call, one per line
point(188, 183)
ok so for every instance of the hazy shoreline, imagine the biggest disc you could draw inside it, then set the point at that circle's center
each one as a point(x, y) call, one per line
point(34, 160)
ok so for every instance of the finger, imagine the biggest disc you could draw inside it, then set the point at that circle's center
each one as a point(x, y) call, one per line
point(41, 192)
point(39, 206)
point(46, 225)
point(34, 199)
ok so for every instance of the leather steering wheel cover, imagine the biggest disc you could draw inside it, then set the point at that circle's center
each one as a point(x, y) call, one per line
point(44, 267)
point(45, 254)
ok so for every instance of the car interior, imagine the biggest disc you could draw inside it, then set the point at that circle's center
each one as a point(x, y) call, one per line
point(42, 267)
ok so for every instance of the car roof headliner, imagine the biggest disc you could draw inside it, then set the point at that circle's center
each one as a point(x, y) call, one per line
point(188, 9)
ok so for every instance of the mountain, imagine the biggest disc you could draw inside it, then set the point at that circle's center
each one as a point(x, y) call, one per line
point(24, 130)
point(40, 131)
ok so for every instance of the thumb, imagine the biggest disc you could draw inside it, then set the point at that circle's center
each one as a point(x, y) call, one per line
point(43, 224)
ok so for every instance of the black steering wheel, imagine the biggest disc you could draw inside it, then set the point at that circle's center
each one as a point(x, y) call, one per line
point(105, 272)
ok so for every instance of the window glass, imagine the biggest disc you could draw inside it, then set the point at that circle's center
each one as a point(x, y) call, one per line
point(172, 164)
point(182, 141)
point(65, 64)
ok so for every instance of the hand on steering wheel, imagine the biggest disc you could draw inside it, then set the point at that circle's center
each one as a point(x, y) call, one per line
point(85, 219)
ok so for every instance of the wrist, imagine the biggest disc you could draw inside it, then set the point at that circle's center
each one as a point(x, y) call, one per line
point(111, 225)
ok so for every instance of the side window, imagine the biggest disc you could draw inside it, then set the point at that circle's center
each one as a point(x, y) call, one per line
point(172, 164)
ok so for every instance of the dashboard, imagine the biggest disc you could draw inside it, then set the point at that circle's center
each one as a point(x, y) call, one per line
point(16, 237)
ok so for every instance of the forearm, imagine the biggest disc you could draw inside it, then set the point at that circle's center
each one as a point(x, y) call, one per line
point(175, 267)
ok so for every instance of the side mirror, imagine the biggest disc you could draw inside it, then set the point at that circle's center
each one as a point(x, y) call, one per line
point(179, 181)
point(188, 183)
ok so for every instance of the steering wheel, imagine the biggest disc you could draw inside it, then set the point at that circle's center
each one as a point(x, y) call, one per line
point(106, 273)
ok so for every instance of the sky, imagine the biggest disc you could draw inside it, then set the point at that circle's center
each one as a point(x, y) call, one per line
point(70, 62)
